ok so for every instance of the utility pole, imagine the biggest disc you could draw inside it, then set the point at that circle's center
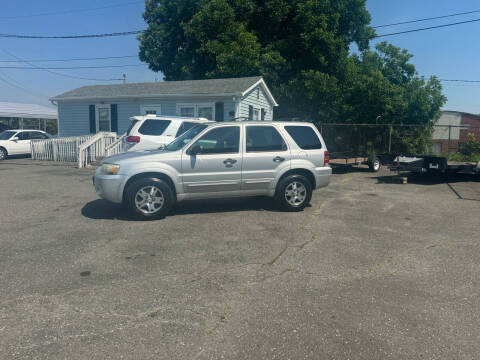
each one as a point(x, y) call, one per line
point(124, 78)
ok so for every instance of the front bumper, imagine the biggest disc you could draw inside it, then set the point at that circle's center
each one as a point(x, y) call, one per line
point(109, 187)
point(322, 176)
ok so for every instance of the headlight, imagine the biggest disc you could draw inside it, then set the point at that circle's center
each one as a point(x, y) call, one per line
point(110, 169)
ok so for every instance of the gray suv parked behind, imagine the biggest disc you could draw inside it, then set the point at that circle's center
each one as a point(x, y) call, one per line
point(284, 160)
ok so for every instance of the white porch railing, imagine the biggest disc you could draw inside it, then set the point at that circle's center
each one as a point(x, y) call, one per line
point(61, 149)
point(94, 148)
point(83, 150)
point(117, 147)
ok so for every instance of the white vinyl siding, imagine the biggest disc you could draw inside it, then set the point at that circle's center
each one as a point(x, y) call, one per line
point(257, 103)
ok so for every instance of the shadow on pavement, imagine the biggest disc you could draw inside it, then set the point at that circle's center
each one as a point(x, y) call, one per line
point(101, 209)
point(429, 179)
point(344, 169)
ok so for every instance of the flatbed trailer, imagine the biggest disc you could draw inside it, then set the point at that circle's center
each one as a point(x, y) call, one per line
point(423, 164)
point(348, 159)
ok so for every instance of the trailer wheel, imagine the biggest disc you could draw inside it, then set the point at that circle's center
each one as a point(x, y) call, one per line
point(374, 164)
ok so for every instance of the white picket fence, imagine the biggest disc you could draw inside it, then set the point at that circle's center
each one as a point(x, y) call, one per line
point(83, 150)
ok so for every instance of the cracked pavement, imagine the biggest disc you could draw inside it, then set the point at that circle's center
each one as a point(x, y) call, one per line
point(372, 270)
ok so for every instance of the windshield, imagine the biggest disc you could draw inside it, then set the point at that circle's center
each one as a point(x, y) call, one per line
point(184, 139)
point(6, 135)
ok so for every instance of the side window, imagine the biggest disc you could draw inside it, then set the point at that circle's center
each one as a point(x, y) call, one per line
point(34, 135)
point(305, 137)
point(184, 127)
point(24, 135)
point(154, 127)
point(222, 140)
point(264, 138)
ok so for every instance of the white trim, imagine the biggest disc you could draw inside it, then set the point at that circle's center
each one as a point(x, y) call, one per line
point(156, 107)
point(265, 88)
point(237, 108)
point(195, 107)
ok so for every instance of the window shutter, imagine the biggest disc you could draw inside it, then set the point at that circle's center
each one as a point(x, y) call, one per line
point(219, 111)
point(114, 117)
point(263, 114)
point(250, 112)
point(91, 115)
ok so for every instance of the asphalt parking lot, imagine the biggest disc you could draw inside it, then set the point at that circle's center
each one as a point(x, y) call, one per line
point(372, 270)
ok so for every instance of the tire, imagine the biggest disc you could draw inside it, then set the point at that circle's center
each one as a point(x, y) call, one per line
point(149, 199)
point(294, 193)
point(374, 164)
point(3, 154)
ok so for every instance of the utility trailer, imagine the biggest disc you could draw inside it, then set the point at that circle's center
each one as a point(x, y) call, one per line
point(431, 164)
point(349, 159)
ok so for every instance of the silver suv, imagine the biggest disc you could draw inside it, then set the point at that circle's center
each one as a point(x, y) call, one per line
point(283, 160)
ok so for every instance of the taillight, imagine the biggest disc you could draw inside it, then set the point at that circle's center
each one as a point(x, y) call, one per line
point(133, 139)
point(326, 158)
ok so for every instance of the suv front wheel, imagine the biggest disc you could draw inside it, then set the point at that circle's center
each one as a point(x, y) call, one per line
point(149, 199)
point(294, 193)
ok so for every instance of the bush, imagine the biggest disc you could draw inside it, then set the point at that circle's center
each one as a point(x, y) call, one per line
point(471, 147)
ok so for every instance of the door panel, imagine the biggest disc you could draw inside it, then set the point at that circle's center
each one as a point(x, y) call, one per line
point(266, 154)
point(23, 145)
point(217, 168)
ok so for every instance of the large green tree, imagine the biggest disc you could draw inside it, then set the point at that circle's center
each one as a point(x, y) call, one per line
point(299, 46)
point(302, 49)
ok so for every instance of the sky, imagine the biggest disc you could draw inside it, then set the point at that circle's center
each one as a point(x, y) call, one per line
point(449, 53)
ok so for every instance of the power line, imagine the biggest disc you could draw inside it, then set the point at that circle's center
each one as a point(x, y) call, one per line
point(59, 73)
point(461, 81)
point(123, 33)
point(72, 59)
point(33, 67)
point(427, 28)
point(427, 19)
point(71, 11)
point(18, 86)
point(136, 32)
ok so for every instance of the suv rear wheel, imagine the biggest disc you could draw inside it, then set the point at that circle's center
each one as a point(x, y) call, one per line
point(294, 193)
point(149, 199)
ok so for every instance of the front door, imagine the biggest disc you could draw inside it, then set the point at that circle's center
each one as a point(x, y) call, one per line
point(23, 144)
point(216, 165)
point(103, 118)
point(266, 153)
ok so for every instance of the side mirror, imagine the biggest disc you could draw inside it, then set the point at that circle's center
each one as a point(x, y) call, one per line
point(162, 147)
point(14, 138)
point(195, 149)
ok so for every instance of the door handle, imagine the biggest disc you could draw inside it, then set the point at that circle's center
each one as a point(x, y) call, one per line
point(278, 159)
point(229, 162)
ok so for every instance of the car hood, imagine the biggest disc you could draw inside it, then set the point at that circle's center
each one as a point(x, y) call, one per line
point(136, 155)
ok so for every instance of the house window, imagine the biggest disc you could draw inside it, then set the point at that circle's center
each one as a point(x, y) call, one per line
point(256, 114)
point(103, 118)
point(197, 110)
point(151, 109)
point(187, 111)
point(258, 93)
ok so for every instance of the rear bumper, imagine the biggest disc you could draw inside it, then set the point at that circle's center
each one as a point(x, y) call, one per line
point(322, 176)
point(109, 187)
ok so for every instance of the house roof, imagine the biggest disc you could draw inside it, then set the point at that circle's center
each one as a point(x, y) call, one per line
point(33, 111)
point(187, 88)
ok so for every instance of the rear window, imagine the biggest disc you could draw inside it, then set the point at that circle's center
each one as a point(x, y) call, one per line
point(264, 138)
point(305, 137)
point(154, 127)
point(131, 126)
point(185, 127)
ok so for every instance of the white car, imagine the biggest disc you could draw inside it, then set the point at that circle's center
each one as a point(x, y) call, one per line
point(17, 142)
point(150, 131)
